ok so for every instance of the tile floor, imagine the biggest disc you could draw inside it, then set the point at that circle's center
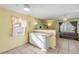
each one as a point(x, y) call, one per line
point(64, 46)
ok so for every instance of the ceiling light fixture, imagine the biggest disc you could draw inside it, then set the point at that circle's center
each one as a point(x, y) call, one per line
point(65, 19)
point(26, 7)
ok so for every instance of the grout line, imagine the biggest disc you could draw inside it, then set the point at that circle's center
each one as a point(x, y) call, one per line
point(58, 47)
point(68, 46)
point(77, 46)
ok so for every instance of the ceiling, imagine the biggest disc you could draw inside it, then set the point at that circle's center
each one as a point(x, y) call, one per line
point(47, 11)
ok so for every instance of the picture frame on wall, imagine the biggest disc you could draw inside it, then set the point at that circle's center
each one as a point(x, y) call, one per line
point(19, 26)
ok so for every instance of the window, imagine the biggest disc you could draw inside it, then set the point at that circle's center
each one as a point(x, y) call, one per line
point(67, 27)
